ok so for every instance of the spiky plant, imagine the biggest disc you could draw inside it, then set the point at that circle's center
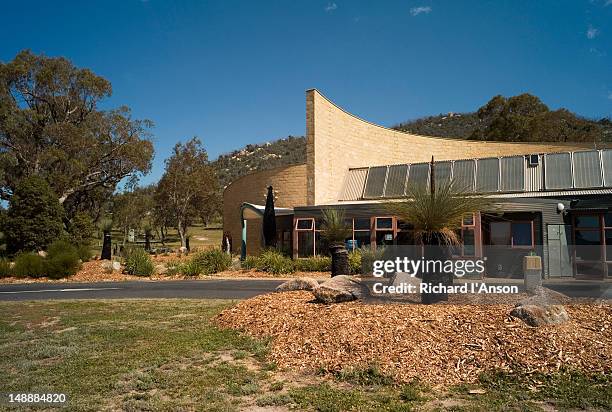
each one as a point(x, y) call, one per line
point(437, 213)
point(334, 228)
point(335, 231)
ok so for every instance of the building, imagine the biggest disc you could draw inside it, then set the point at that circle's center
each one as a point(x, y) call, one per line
point(551, 199)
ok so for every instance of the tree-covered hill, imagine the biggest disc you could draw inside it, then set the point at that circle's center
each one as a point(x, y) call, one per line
point(519, 119)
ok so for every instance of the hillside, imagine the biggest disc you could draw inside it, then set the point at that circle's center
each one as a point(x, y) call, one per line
point(519, 118)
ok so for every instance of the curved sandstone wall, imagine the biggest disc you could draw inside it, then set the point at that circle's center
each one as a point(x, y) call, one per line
point(289, 183)
point(337, 140)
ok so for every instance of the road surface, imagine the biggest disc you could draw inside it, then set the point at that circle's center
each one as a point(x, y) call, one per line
point(213, 289)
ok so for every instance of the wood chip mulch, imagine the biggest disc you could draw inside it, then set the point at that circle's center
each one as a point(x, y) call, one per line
point(438, 344)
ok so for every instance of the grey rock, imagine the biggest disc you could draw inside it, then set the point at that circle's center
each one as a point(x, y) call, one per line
point(298, 284)
point(540, 315)
point(341, 288)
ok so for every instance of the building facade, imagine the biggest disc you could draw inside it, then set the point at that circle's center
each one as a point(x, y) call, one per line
point(550, 199)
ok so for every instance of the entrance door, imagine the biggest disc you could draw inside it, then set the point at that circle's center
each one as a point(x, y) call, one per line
point(559, 261)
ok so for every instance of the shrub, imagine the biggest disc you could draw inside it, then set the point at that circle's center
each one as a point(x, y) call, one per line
point(34, 217)
point(212, 261)
point(368, 256)
point(29, 264)
point(250, 262)
point(84, 252)
point(138, 262)
point(62, 260)
point(355, 261)
point(274, 262)
point(174, 267)
point(313, 264)
point(190, 268)
point(5, 268)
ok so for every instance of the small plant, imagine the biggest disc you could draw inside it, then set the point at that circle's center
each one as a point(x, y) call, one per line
point(138, 262)
point(191, 268)
point(62, 260)
point(29, 264)
point(212, 261)
point(368, 256)
point(84, 252)
point(354, 259)
point(272, 261)
point(313, 264)
point(174, 267)
point(249, 262)
point(5, 268)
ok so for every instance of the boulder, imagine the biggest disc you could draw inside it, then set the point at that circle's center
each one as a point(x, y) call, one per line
point(540, 315)
point(160, 269)
point(341, 288)
point(298, 284)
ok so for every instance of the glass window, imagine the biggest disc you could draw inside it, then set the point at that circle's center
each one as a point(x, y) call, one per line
point(362, 238)
point(304, 224)
point(405, 237)
point(305, 243)
point(608, 219)
point(468, 220)
point(402, 225)
point(384, 238)
point(469, 243)
point(362, 223)
point(500, 233)
point(583, 221)
point(609, 245)
point(522, 234)
point(384, 223)
point(588, 245)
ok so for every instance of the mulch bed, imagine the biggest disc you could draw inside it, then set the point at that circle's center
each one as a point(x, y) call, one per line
point(438, 344)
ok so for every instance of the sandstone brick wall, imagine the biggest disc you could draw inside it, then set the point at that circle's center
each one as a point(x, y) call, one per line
point(337, 140)
point(289, 183)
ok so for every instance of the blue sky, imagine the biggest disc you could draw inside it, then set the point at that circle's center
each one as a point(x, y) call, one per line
point(235, 72)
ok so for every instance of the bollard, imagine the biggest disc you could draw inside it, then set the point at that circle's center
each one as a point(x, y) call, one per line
point(532, 268)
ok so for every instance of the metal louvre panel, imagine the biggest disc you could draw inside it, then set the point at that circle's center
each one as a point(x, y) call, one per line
point(353, 185)
point(418, 176)
point(513, 173)
point(606, 157)
point(558, 171)
point(463, 175)
point(487, 175)
point(375, 184)
point(396, 181)
point(443, 173)
point(587, 169)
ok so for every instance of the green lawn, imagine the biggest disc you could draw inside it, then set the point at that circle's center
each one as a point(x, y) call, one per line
point(167, 355)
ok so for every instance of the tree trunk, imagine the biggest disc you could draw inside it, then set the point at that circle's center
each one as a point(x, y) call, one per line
point(435, 249)
point(340, 263)
point(147, 240)
point(106, 246)
point(182, 234)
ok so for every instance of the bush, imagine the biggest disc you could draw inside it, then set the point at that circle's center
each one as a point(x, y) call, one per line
point(29, 264)
point(368, 256)
point(190, 268)
point(313, 264)
point(249, 262)
point(84, 252)
point(5, 268)
point(355, 262)
point(138, 262)
point(212, 261)
point(174, 267)
point(274, 262)
point(62, 260)
point(34, 217)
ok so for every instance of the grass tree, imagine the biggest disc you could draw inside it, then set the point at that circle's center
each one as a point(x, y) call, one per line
point(106, 225)
point(436, 213)
point(334, 232)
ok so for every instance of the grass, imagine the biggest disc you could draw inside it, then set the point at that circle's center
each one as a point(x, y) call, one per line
point(168, 355)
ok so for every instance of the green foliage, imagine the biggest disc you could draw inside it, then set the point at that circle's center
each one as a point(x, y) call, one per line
point(29, 265)
point(34, 217)
point(249, 262)
point(354, 259)
point(335, 228)
point(367, 256)
point(174, 267)
point(5, 268)
point(138, 262)
point(81, 229)
point(84, 252)
point(212, 261)
point(62, 260)
point(438, 213)
point(313, 264)
point(370, 375)
point(272, 261)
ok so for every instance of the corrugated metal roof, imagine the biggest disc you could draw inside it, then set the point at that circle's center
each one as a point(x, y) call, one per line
point(353, 185)
point(553, 193)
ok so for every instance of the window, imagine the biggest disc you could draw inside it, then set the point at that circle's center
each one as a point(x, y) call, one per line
point(384, 223)
point(384, 231)
point(304, 224)
point(361, 233)
point(304, 228)
point(513, 234)
point(468, 237)
point(588, 237)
